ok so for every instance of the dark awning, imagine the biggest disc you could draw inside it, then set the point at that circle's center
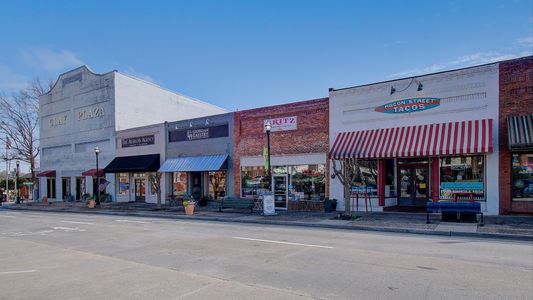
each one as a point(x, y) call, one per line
point(138, 163)
point(49, 173)
point(195, 163)
point(92, 172)
point(520, 131)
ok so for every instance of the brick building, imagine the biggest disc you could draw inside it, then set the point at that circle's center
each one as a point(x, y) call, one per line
point(516, 140)
point(299, 145)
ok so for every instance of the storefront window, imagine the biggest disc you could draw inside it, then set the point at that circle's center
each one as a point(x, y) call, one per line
point(253, 181)
point(462, 174)
point(123, 184)
point(179, 183)
point(367, 177)
point(390, 178)
point(308, 182)
point(65, 188)
point(217, 184)
point(522, 177)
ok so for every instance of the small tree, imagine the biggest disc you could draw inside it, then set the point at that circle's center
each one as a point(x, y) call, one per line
point(346, 171)
point(155, 181)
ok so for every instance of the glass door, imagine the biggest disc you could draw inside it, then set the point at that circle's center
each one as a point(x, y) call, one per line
point(279, 187)
point(413, 184)
point(140, 191)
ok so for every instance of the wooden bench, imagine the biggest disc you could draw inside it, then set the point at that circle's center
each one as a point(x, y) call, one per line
point(454, 207)
point(235, 203)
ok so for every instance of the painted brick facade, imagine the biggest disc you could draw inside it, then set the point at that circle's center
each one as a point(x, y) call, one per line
point(310, 137)
point(516, 98)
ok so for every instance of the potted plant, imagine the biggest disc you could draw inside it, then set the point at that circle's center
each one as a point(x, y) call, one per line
point(189, 204)
point(91, 202)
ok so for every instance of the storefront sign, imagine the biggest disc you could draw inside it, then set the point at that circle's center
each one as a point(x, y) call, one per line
point(138, 141)
point(408, 105)
point(199, 133)
point(282, 124)
point(58, 121)
point(470, 186)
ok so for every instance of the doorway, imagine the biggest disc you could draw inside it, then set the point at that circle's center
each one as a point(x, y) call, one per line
point(196, 186)
point(140, 191)
point(280, 189)
point(80, 187)
point(413, 183)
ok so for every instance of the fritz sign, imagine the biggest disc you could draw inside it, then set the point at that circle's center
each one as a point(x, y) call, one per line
point(408, 105)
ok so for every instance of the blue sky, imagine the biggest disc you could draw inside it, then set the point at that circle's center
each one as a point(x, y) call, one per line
point(243, 54)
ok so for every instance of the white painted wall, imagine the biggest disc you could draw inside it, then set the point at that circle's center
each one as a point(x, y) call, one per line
point(140, 103)
point(465, 94)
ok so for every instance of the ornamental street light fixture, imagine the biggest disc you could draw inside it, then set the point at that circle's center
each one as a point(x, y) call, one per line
point(96, 152)
point(16, 182)
point(268, 128)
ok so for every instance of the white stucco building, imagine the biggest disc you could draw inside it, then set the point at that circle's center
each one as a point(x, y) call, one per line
point(423, 138)
point(84, 110)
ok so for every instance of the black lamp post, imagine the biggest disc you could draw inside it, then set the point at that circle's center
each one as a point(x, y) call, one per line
point(17, 182)
point(268, 127)
point(97, 151)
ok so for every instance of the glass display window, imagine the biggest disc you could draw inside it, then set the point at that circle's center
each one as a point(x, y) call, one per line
point(367, 178)
point(522, 177)
point(254, 181)
point(307, 182)
point(462, 174)
point(123, 183)
point(179, 183)
point(217, 184)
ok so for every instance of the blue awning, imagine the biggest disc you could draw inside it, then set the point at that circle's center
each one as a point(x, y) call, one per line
point(195, 163)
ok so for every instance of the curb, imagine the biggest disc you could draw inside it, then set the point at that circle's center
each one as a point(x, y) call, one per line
point(484, 235)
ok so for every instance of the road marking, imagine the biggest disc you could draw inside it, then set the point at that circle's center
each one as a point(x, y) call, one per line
point(68, 228)
point(77, 222)
point(17, 272)
point(132, 221)
point(282, 242)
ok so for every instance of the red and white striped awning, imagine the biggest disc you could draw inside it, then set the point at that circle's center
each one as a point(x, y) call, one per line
point(465, 137)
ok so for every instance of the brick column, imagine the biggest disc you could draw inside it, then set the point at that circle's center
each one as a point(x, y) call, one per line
point(381, 182)
point(435, 186)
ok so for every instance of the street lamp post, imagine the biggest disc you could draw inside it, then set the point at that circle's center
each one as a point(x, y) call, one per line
point(17, 182)
point(97, 151)
point(268, 127)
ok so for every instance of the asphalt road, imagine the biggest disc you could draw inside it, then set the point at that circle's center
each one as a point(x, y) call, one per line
point(77, 256)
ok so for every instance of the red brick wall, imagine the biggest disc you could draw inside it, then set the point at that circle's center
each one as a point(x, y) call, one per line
point(516, 98)
point(312, 135)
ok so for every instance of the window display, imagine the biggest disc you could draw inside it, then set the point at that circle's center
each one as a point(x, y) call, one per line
point(462, 174)
point(253, 181)
point(367, 178)
point(179, 183)
point(522, 177)
point(123, 184)
point(308, 182)
point(217, 184)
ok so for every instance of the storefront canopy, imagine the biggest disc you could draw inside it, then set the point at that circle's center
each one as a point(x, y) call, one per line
point(49, 173)
point(195, 163)
point(92, 172)
point(520, 132)
point(466, 137)
point(139, 163)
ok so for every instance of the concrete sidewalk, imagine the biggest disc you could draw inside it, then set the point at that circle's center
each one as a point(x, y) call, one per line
point(502, 227)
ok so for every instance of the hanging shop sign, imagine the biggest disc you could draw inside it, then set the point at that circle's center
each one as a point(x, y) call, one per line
point(282, 124)
point(199, 133)
point(408, 105)
point(138, 141)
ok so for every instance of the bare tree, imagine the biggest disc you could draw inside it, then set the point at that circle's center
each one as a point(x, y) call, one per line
point(155, 181)
point(347, 171)
point(19, 122)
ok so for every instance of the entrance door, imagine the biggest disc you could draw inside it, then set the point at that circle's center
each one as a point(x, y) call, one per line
point(197, 190)
point(140, 191)
point(279, 187)
point(80, 187)
point(414, 185)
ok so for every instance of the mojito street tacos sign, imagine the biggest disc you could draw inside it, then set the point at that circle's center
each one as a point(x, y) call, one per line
point(408, 105)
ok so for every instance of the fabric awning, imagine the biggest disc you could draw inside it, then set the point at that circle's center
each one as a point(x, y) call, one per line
point(520, 131)
point(49, 173)
point(465, 137)
point(195, 163)
point(92, 172)
point(138, 163)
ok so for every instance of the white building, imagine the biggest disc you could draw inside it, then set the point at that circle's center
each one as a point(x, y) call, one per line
point(84, 110)
point(420, 139)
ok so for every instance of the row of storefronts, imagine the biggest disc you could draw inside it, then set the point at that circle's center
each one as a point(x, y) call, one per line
point(461, 134)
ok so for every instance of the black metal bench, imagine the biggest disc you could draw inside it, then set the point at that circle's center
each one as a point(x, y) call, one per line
point(454, 207)
point(235, 203)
